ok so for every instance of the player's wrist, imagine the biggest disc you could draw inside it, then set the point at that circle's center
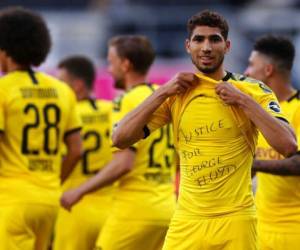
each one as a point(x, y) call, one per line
point(164, 92)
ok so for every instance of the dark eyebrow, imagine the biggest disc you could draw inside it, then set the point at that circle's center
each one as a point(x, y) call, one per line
point(215, 36)
point(197, 37)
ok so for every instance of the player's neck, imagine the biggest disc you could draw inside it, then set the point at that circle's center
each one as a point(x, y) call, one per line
point(11, 66)
point(217, 75)
point(284, 93)
point(83, 94)
point(282, 88)
point(134, 79)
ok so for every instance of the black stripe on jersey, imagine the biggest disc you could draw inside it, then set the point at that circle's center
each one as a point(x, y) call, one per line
point(117, 102)
point(150, 86)
point(296, 95)
point(227, 76)
point(282, 119)
point(146, 131)
point(32, 76)
point(93, 103)
point(1, 131)
point(72, 131)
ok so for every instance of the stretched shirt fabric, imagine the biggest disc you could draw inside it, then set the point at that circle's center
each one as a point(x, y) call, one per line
point(278, 197)
point(36, 112)
point(216, 144)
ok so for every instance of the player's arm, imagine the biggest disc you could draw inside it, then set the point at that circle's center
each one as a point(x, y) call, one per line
point(277, 133)
point(131, 128)
point(289, 166)
point(121, 164)
point(74, 152)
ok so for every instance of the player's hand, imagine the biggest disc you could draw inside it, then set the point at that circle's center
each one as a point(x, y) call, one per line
point(229, 94)
point(70, 198)
point(180, 83)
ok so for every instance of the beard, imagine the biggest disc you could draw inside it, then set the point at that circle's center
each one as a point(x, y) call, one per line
point(209, 69)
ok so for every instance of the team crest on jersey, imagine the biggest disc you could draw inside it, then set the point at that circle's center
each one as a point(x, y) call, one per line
point(274, 106)
point(265, 88)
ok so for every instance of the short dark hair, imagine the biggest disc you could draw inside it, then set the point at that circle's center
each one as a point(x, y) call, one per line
point(137, 49)
point(279, 48)
point(24, 36)
point(208, 18)
point(80, 67)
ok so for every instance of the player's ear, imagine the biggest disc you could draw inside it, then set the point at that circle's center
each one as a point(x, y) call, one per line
point(187, 46)
point(269, 69)
point(126, 65)
point(227, 46)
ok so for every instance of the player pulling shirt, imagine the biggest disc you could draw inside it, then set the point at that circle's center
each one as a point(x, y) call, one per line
point(144, 199)
point(89, 215)
point(36, 112)
point(215, 143)
point(278, 197)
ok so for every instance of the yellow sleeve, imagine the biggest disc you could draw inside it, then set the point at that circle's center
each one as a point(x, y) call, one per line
point(2, 111)
point(296, 124)
point(264, 96)
point(161, 116)
point(74, 121)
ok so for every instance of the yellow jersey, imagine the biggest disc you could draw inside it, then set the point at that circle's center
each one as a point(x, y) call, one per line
point(146, 192)
point(278, 197)
point(36, 112)
point(96, 125)
point(216, 144)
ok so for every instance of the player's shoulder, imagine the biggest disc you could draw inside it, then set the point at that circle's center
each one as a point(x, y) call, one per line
point(104, 103)
point(105, 106)
point(144, 88)
point(295, 98)
point(133, 96)
point(48, 80)
point(251, 83)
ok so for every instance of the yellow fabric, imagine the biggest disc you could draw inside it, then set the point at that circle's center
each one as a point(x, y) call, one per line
point(146, 193)
point(215, 143)
point(131, 235)
point(278, 197)
point(223, 233)
point(278, 241)
point(96, 129)
point(79, 229)
point(26, 227)
point(42, 113)
point(89, 215)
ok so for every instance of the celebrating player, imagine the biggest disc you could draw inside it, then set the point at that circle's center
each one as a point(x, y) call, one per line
point(215, 115)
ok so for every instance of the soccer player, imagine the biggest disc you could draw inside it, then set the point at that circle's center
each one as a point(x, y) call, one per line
point(215, 115)
point(88, 216)
point(37, 116)
point(144, 200)
point(277, 197)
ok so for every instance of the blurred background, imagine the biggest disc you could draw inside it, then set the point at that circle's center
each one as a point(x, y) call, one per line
point(84, 27)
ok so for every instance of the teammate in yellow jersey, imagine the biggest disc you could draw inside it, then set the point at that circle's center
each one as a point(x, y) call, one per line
point(144, 200)
point(37, 116)
point(215, 126)
point(278, 193)
point(89, 215)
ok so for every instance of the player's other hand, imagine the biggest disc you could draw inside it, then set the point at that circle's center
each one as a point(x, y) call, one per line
point(180, 83)
point(229, 94)
point(70, 198)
